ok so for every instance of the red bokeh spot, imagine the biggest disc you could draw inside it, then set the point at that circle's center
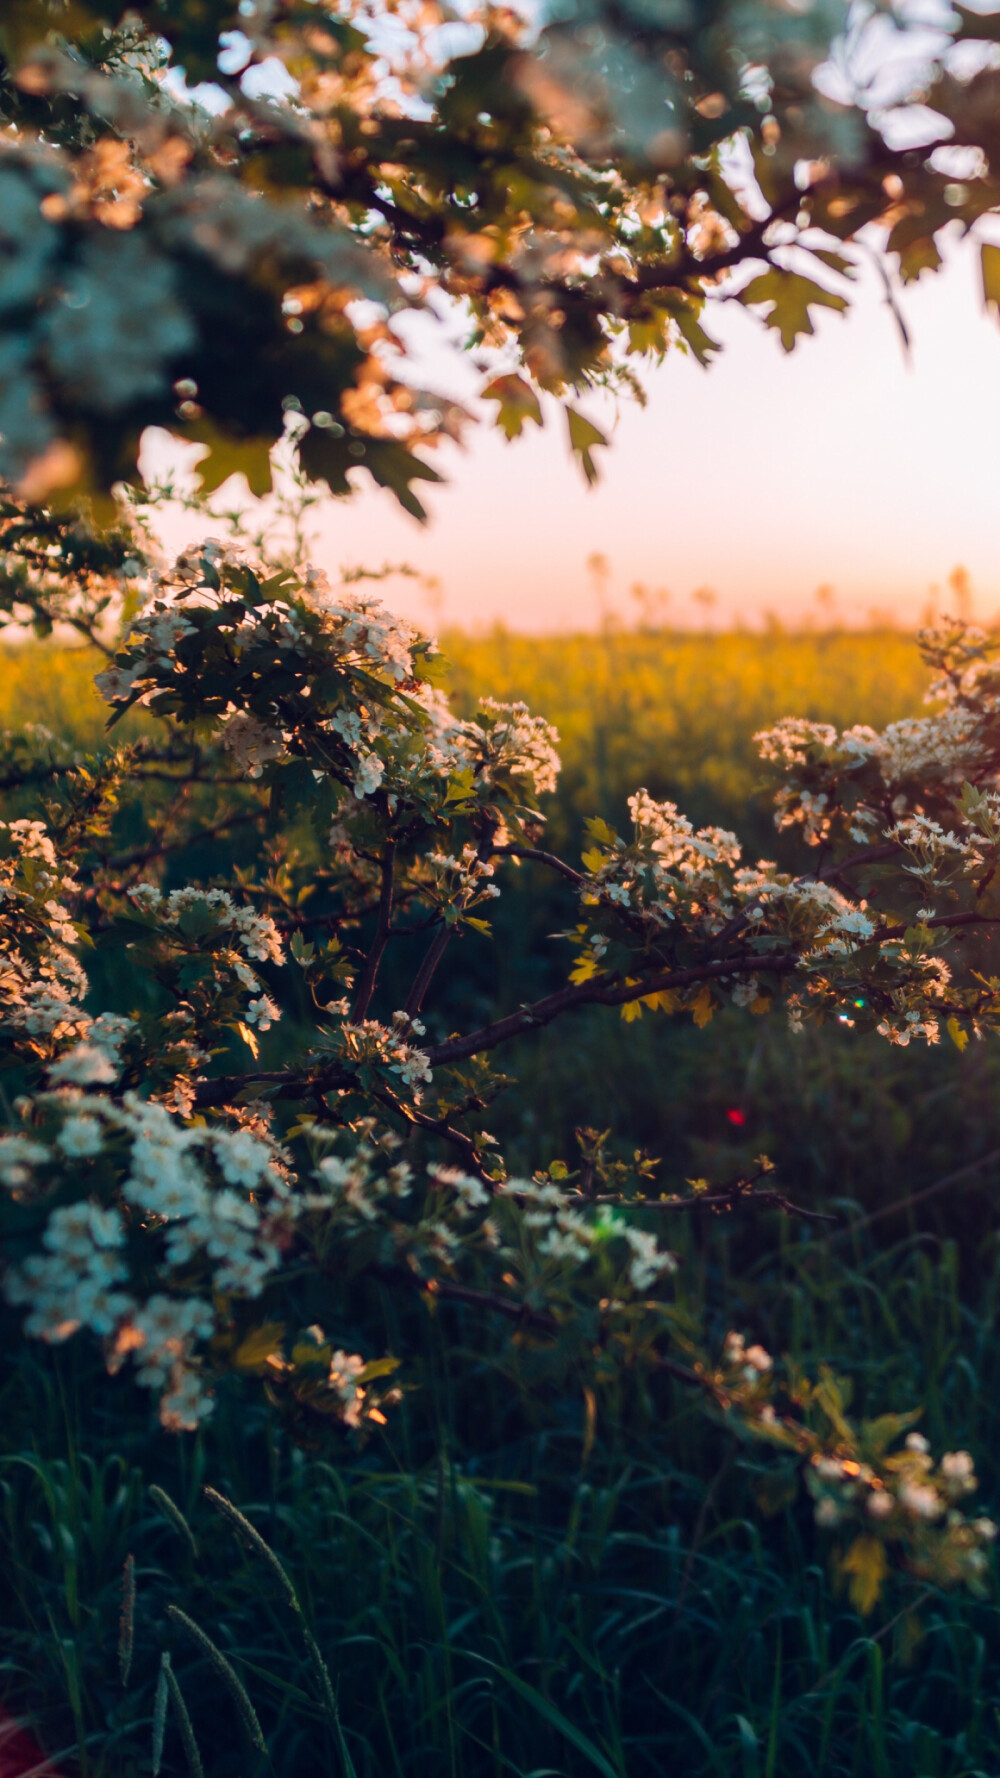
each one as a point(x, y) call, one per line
point(735, 1116)
point(19, 1753)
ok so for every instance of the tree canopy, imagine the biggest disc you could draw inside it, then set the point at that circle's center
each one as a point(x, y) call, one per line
point(221, 218)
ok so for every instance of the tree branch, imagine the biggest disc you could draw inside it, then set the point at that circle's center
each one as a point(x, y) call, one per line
point(425, 974)
point(725, 1200)
point(946, 920)
point(222, 1089)
point(447, 1290)
point(540, 857)
point(369, 974)
point(542, 1012)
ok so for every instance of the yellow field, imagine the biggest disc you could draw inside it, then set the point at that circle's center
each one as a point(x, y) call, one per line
point(672, 711)
point(676, 711)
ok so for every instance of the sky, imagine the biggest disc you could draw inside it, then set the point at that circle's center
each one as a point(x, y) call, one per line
point(845, 465)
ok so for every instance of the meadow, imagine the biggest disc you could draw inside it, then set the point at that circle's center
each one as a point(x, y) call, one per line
point(500, 1585)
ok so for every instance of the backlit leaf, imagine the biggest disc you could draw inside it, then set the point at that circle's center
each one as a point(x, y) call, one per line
point(790, 297)
point(583, 437)
point(517, 403)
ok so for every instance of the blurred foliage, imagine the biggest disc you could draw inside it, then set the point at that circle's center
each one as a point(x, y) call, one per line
point(191, 186)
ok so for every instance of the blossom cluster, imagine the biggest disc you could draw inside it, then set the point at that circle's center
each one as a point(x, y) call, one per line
point(351, 697)
point(860, 782)
point(256, 934)
point(884, 1500)
point(42, 983)
point(371, 1044)
point(533, 1225)
point(210, 1203)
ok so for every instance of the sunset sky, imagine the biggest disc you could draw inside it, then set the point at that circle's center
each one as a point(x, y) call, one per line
point(762, 478)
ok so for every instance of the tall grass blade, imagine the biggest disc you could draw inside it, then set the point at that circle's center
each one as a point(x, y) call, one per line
point(227, 1673)
point(251, 1538)
point(126, 1625)
point(554, 1718)
point(160, 1713)
point(184, 1723)
point(172, 1513)
point(257, 1545)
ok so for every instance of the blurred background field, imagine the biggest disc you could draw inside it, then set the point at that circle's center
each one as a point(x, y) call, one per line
point(507, 1584)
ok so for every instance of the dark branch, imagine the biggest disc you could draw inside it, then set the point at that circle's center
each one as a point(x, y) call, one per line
point(726, 1200)
point(540, 857)
point(369, 974)
point(447, 1290)
point(425, 974)
point(542, 1012)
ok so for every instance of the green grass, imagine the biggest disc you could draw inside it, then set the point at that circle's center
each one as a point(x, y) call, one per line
point(488, 1596)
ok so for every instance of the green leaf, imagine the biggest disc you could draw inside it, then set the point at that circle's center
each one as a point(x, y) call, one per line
point(583, 437)
point(790, 297)
point(877, 1435)
point(685, 312)
point(461, 786)
point(918, 937)
point(517, 403)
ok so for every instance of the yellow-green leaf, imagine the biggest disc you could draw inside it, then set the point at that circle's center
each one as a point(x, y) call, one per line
point(958, 1037)
point(866, 1566)
point(378, 1367)
point(594, 861)
point(790, 297)
point(583, 436)
point(600, 831)
point(517, 403)
point(990, 262)
point(703, 1007)
point(250, 457)
point(665, 1001)
point(259, 1345)
point(585, 967)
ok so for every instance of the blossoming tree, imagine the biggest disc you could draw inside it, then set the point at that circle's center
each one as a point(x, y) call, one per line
point(582, 191)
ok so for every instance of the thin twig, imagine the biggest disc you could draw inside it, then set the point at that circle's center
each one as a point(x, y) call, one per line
point(548, 858)
point(929, 1191)
point(724, 1200)
point(447, 1290)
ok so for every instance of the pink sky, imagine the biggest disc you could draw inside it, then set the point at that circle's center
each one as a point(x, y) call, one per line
point(762, 478)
